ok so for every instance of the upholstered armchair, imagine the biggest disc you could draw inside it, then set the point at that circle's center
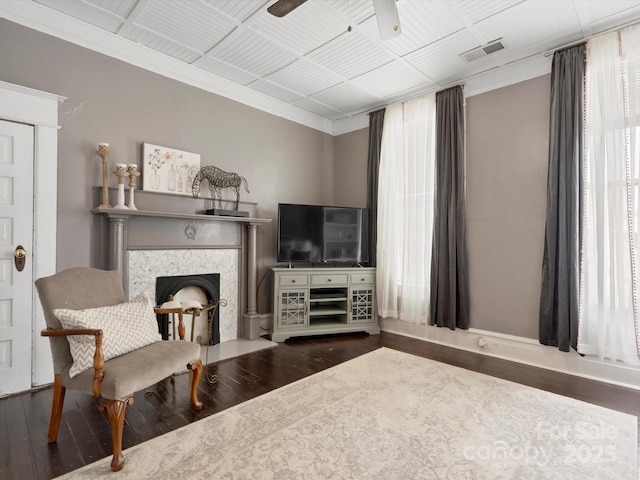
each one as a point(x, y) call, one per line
point(107, 347)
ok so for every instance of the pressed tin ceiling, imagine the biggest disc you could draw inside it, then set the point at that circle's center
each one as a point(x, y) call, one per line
point(307, 66)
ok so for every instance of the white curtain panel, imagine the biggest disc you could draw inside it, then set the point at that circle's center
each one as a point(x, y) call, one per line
point(405, 209)
point(609, 326)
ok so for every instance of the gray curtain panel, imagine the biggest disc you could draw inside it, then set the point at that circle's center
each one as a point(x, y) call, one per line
point(449, 264)
point(376, 120)
point(558, 322)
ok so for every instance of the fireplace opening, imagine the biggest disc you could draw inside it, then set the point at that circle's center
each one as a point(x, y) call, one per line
point(203, 288)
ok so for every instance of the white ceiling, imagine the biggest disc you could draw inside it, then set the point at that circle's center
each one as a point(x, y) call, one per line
point(306, 66)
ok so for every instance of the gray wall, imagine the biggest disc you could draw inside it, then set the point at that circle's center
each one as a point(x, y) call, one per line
point(507, 142)
point(112, 101)
point(507, 156)
point(350, 168)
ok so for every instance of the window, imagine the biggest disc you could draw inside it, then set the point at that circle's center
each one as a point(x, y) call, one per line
point(405, 209)
point(609, 326)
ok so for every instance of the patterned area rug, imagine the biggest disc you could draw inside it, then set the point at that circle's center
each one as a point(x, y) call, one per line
point(391, 415)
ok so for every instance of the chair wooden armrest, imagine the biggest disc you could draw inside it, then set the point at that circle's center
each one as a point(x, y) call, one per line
point(98, 356)
point(178, 310)
point(62, 332)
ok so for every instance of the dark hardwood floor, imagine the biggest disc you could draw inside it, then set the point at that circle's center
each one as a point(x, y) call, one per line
point(85, 436)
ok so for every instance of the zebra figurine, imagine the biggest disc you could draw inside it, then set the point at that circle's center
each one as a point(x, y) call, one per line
point(218, 179)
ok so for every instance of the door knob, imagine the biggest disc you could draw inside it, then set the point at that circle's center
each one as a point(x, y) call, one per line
point(20, 257)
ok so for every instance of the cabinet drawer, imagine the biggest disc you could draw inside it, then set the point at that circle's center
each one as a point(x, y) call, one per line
point(292, 280)
point(362, 279)
point(329, 279)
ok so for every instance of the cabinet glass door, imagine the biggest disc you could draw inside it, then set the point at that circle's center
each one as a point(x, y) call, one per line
point(362, 305)
point(292, 309)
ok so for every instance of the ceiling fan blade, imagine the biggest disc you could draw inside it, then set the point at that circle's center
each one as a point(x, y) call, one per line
point(388, 20)
point(283, 7)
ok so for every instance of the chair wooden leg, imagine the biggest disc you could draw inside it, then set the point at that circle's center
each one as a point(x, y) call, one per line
point(116, 412)
point(56, 408)
point(196, 369)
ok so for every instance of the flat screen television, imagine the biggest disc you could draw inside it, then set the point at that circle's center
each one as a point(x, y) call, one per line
point(322, 234)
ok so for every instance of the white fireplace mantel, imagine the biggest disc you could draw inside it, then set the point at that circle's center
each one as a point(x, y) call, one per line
point(118, 220)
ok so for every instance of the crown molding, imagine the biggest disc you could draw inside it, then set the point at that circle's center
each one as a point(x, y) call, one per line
point(351, 124)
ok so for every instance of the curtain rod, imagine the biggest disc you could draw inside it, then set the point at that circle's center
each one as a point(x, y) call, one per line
point(632, 23)
point(437, 89)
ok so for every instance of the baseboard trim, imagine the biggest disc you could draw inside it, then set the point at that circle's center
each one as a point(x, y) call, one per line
point(518, 349)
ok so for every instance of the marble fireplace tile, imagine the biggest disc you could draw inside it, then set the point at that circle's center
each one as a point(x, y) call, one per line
point(146, 265)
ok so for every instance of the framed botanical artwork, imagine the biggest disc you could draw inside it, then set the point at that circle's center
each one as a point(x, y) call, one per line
point(168, 170)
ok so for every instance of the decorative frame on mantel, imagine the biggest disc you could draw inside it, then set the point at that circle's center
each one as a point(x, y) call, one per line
point(167, 170)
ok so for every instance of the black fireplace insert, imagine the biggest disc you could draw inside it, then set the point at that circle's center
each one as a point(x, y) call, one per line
point(167, 287)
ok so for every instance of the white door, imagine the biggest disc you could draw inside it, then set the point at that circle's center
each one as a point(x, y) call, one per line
point(16, 228)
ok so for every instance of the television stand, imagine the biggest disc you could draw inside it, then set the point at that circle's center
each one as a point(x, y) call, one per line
point(320, 301)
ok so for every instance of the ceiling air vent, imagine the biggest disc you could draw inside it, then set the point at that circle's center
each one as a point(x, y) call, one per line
point(482, 51)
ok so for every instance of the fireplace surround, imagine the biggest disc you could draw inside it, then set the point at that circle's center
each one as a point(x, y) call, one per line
point(145, 266)
point(162, 238)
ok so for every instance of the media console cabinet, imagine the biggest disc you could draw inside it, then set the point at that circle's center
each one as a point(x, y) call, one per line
point(319, 301)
